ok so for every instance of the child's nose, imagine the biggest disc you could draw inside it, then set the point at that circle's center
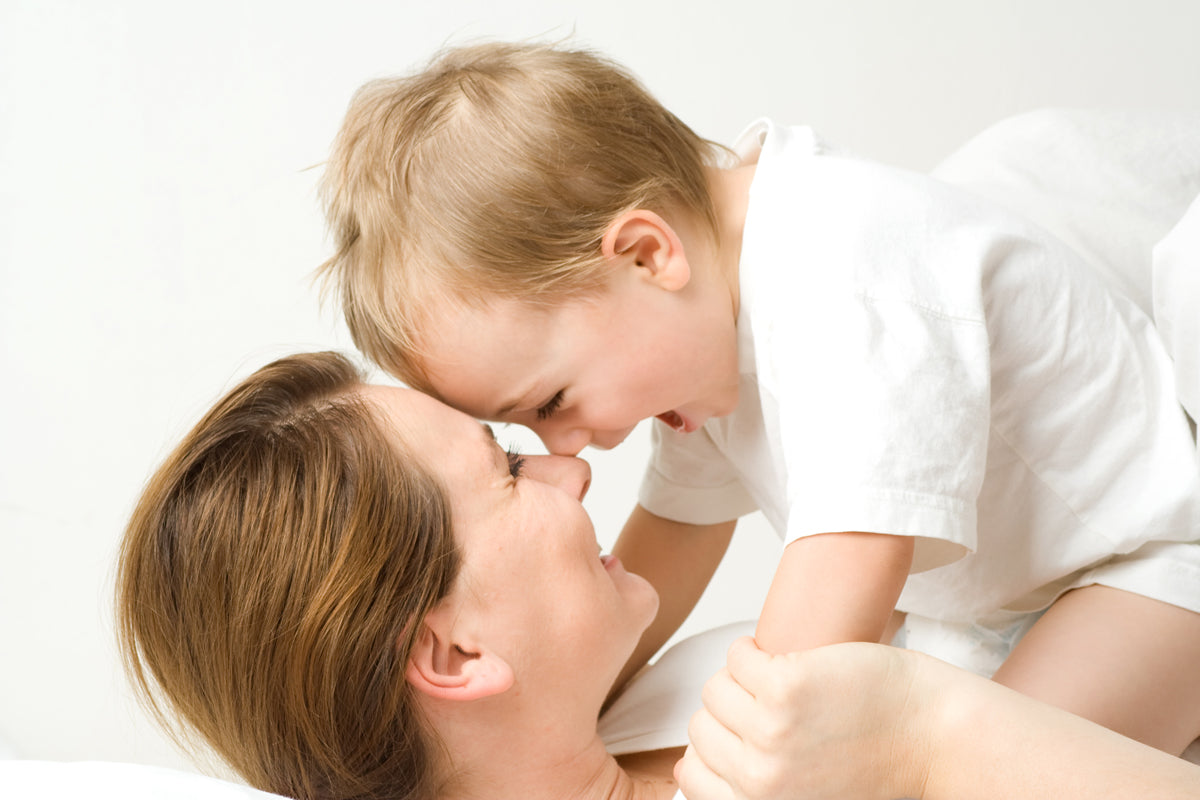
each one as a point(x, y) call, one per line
point(563, 441)
point(572, 475)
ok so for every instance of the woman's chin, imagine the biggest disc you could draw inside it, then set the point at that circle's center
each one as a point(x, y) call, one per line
point(649, 599)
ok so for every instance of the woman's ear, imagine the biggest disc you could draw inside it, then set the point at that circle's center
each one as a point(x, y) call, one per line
point(650, 244)
point(449, 670)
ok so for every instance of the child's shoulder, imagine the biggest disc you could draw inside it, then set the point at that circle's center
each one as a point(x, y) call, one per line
point(796, 164)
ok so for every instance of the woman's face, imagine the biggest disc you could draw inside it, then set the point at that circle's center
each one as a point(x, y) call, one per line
point(532, 576)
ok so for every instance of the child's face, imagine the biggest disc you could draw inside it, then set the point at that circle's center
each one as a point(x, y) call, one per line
point(587, 371)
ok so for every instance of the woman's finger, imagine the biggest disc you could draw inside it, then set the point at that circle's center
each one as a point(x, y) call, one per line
point(717, 746)
point(728, 701)
point(748, 665)
point(698, 782)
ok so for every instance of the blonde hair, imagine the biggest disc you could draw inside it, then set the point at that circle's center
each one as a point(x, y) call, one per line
point(494, 172)
point(270, 582)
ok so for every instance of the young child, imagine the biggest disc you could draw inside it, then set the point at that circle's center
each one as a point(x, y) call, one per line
point(933, 402)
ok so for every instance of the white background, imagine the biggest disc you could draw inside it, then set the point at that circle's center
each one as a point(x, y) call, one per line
point(158, 227)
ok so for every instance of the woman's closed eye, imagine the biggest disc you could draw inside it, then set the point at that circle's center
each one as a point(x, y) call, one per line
point(547, 410)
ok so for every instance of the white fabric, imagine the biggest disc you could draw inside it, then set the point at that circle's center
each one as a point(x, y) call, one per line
point(106, 780)
point(1176, 293)
point(1166, 571)
point(1111, 184)
point(980, 646)
point(653, 711)
point(917, 361)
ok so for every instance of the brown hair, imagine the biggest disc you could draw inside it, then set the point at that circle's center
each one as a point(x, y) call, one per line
point(494, 171)
point(270, 581)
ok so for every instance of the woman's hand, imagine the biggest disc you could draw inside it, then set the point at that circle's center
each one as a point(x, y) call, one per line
point(834, 722)
point(872, 722)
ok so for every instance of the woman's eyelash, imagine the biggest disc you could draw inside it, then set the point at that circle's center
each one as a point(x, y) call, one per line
point(550, 407)
point(516, 462)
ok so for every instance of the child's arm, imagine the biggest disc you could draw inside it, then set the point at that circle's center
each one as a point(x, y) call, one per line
point(679, 560)
point(834, 587)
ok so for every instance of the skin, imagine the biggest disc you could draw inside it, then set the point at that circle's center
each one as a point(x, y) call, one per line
point(867, 721)
point(657, 342)
point(513, 665)
point(811, 579)
point(1117, 658)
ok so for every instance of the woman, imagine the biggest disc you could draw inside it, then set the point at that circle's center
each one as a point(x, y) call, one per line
point(352, 591)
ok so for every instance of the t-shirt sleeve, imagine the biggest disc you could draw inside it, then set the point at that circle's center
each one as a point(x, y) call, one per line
point(689, 480)
point(877, 364)
point(894, 439)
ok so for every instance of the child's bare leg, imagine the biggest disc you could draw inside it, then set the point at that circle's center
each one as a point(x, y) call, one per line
point(1120, 659)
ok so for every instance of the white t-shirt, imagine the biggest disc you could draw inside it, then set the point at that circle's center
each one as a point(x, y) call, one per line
point(1176, 290)
point(916, 361)
point(1116, 186)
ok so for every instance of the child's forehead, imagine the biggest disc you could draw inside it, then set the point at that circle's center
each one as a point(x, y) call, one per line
point(482, 305)
point(456, 330)
point(459, 317)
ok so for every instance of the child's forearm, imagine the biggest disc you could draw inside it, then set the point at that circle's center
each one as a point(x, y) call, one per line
point(835, 587)
point(679, 560)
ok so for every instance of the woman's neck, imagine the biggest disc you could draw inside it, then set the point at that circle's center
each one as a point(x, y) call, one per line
point(592, 775)
point(637, 776)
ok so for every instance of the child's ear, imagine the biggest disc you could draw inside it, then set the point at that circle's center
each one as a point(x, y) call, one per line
point(650, 244)
point(447, 669)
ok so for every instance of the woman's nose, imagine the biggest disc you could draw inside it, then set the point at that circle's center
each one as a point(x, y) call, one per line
point(572, 475)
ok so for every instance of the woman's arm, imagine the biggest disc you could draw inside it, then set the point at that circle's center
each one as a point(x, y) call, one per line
point(870, 721)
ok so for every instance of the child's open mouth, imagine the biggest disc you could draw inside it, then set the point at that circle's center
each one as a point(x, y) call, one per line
point(674, 421)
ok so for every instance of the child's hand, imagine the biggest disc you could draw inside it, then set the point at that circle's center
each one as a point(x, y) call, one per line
point(834, 722)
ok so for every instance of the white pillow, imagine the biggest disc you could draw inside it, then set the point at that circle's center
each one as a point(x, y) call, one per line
point(107, 780)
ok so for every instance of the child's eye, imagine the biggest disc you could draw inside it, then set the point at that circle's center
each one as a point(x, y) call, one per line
point(546, 411)
point(515, 462)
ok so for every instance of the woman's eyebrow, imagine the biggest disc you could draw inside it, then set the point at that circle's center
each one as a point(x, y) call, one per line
point(494, 445)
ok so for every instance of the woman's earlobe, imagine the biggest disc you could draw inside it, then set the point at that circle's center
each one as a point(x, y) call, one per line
point(448, 671)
